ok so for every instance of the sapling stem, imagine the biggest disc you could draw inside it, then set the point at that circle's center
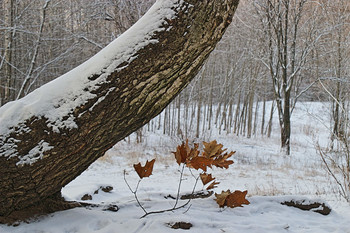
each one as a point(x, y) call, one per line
point(179, 187)
point(135, 192)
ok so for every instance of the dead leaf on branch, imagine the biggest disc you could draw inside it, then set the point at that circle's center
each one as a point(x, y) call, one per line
point(214, 151)
point(221, 160)
point(184, 153)
point(213, 155)
point(229, 199)
point(181, 153)
point(206, 178)
point(213, 185)
point(200, 162)
point(211, 149)
point(144, 171)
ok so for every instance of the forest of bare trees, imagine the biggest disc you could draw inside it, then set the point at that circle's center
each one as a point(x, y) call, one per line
point(276, 52)
point(40, 40)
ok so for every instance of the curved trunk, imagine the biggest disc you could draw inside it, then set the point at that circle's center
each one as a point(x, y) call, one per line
point(52, 135)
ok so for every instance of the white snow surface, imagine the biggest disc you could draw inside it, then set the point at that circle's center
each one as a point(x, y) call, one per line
point(59, 97)
point(260, 167)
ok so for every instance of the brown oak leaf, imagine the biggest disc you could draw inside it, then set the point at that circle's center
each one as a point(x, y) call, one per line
point(229, 199)
point(237, 199)
point(144, 171)
point(183, 152)
point(206, 178)
point(221, 198)
point(211, 149)
point(194, 152)
point(200, 162)
point(222, 162)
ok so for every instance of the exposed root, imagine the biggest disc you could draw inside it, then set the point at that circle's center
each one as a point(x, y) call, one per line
point(49, 205)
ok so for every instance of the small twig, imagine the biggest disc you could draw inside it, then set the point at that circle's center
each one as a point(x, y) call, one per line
point(179, 187)
point(194, 186)
point(135, 192)
point(193, 175)
point(342, 191)
point(167, 210)
point(177, 198)
point(127, 182)
point(189, 207)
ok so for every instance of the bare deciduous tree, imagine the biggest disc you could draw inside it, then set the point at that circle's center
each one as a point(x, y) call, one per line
point(290, 36)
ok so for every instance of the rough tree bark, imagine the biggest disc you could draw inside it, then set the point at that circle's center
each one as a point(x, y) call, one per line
point(38, 156)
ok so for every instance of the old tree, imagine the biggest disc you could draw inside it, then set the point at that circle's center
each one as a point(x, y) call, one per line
point(52, 135)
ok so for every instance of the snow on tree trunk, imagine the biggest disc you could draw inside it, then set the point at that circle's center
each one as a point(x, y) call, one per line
point(53, 134)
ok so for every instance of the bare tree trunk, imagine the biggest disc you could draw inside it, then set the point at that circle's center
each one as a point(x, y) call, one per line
point(230, 116)
point(337, 110)
point(165, 121)
point(204, 121)
point(256, 117)
point(263, 118)
point(210, 114)
point(251, 95)
point(178, 130)
point(285, 125)
point(224, 110)
point(6, 61)
point(23, 90)
point(172, 119)
point(38, 156)
point(187, 106)
point(269, 124)
point(243, 118)
point(199, 107)
point(159, 121)
point(237, 121)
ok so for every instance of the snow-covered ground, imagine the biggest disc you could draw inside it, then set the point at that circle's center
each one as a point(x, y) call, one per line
point(260, 167)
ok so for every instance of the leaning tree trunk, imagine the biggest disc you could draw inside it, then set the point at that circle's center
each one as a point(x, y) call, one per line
point(52, 135)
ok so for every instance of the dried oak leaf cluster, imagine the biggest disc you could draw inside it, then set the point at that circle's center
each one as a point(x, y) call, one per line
point(213, 155)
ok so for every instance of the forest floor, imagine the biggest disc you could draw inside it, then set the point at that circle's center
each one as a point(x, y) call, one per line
point(259, 167)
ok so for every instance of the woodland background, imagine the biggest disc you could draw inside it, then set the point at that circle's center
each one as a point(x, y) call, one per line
point(275, 51)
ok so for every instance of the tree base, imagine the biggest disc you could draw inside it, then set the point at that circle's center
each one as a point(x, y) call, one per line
point(51, 204)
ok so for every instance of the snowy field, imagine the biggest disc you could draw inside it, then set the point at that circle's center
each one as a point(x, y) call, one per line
point(260, 167)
